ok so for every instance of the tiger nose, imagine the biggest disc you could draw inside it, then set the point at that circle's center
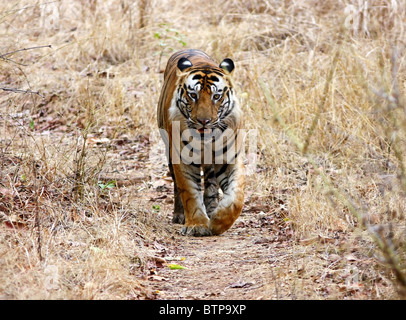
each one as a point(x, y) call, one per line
point(203, 121)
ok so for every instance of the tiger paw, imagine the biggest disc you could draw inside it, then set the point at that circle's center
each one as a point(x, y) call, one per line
point(196, 231)
point(178, 218)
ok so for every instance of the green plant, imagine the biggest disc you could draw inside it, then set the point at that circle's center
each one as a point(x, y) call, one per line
point(108, 185)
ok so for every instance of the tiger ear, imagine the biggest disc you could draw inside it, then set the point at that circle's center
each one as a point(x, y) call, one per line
point(184, 63)
point(227, 65)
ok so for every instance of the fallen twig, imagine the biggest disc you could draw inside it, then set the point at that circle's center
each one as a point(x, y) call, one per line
point(21, 91)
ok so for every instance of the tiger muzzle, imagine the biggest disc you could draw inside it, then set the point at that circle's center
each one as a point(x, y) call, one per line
point(204, 121)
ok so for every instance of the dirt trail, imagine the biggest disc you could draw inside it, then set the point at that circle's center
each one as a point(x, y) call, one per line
point(251, 262)
point(231, 266)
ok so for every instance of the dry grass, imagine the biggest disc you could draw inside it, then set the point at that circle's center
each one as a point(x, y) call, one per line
point(331, 134)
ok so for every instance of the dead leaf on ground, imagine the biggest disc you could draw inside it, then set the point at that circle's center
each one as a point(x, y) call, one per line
point(351, 257)
point(259, 208)
point(162, 182)
point(7, 193)
point(241, 284)
point(98, 141)
point(157, 259)
point(164, 196)
point(319, 238)
point(157, 278)
point(122, 180)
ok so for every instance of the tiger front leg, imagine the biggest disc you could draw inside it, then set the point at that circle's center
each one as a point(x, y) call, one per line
point(178, 212)
point(211, 190)
point(231, 180)
point(188, 182)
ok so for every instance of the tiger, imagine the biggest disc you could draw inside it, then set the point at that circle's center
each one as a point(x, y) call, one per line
point(198, 103)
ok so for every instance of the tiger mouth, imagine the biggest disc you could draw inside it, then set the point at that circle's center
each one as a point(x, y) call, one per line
point(204, 130)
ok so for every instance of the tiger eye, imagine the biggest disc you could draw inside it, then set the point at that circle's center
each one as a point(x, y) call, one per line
point(216, 96)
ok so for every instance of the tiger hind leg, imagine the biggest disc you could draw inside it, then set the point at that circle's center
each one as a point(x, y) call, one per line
point(231, 180)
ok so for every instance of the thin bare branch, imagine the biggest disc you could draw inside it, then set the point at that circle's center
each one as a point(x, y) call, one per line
point(24, 49)
point(21, 91)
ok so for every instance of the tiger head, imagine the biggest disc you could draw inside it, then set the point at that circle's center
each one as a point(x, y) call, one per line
point(205, 95)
